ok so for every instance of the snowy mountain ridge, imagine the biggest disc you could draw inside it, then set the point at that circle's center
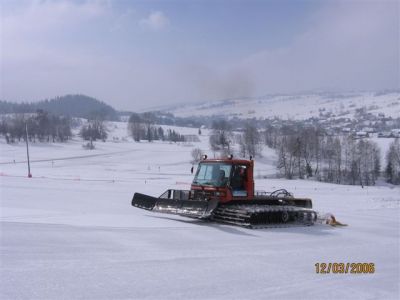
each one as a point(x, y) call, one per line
point(297, 106)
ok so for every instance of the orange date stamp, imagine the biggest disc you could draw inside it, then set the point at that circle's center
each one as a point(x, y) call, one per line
point(344, 268)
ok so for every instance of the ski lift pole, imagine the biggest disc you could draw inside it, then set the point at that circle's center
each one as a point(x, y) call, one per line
point(27, 151)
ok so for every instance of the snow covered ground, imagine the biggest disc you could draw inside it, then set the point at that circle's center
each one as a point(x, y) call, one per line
point(70, 232)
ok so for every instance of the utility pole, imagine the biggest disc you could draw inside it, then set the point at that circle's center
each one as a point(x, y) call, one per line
point(27, 151)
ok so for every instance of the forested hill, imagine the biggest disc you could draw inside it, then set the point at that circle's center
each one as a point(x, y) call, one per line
point(70, 105)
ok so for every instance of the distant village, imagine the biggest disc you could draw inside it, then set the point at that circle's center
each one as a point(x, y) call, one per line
point(363, 125)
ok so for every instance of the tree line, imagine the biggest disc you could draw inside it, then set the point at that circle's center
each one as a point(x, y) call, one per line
point(329, 159)
point(141, 127)
point(309, 152)
point(305, 152)
point(222, 138)
point(41, 126)
point(78, 106)
point(392, 169)
point(93, 130)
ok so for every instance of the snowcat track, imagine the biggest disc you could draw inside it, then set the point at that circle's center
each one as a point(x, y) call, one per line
point(264, 216)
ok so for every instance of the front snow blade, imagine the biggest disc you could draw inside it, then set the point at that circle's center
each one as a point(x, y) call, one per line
point(188, 208)
point(144, 201)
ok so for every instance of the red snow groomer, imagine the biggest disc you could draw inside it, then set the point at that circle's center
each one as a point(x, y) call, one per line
point(223, 190)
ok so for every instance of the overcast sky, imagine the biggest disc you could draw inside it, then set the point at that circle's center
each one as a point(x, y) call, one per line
point(140, 54)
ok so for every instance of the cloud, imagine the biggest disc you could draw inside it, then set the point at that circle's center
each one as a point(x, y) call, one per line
point(51, 48)
point(45, 16)
point(350, 45)
point(44, 49)
point(156, 21)
point(36, 32)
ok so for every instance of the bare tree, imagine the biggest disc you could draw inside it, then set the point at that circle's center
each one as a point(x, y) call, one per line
point(197, 155)
point(220, 139)
point(94, 130)
point(392, 169)
point(251, 140)
point(135, 127)
point(287, 156)
point(148, 121)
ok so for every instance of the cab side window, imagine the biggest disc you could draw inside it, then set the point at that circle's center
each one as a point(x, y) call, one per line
point(239, 178)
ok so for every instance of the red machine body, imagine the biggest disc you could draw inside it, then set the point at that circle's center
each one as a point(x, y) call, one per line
point(223, 190)
point(238, 184)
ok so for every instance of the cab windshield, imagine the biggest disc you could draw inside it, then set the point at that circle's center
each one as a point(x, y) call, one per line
point(213, 174)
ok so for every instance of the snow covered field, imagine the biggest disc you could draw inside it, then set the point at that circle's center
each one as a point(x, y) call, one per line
point(70, 232)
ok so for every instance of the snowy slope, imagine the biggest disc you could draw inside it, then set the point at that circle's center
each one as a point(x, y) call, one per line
point(70, 232)
point(297, 106)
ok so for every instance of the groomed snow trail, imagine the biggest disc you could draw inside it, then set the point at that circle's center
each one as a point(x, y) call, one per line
point(82, 239)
